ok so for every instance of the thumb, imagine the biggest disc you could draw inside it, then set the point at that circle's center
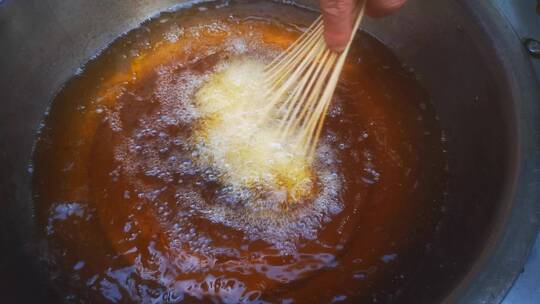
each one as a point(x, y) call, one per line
point(338, 22)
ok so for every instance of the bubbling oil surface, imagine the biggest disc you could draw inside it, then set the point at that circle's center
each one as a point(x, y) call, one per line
point(137, 201)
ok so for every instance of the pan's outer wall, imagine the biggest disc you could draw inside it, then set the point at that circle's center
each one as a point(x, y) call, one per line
point(465, 53)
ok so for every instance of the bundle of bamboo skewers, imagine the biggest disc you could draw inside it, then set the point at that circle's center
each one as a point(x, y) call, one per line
point(301, 82)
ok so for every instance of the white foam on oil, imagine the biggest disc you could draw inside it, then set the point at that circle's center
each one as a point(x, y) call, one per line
point(234, 137)
point(262, 217)
point(265, 188)
point(271, 191)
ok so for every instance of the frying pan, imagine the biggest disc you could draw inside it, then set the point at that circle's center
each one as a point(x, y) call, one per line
point(465, 54)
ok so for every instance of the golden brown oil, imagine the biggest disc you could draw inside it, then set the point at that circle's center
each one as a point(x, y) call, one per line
point(128, 216)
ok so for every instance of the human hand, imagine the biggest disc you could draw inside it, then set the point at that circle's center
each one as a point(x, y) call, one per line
point(338, 18)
